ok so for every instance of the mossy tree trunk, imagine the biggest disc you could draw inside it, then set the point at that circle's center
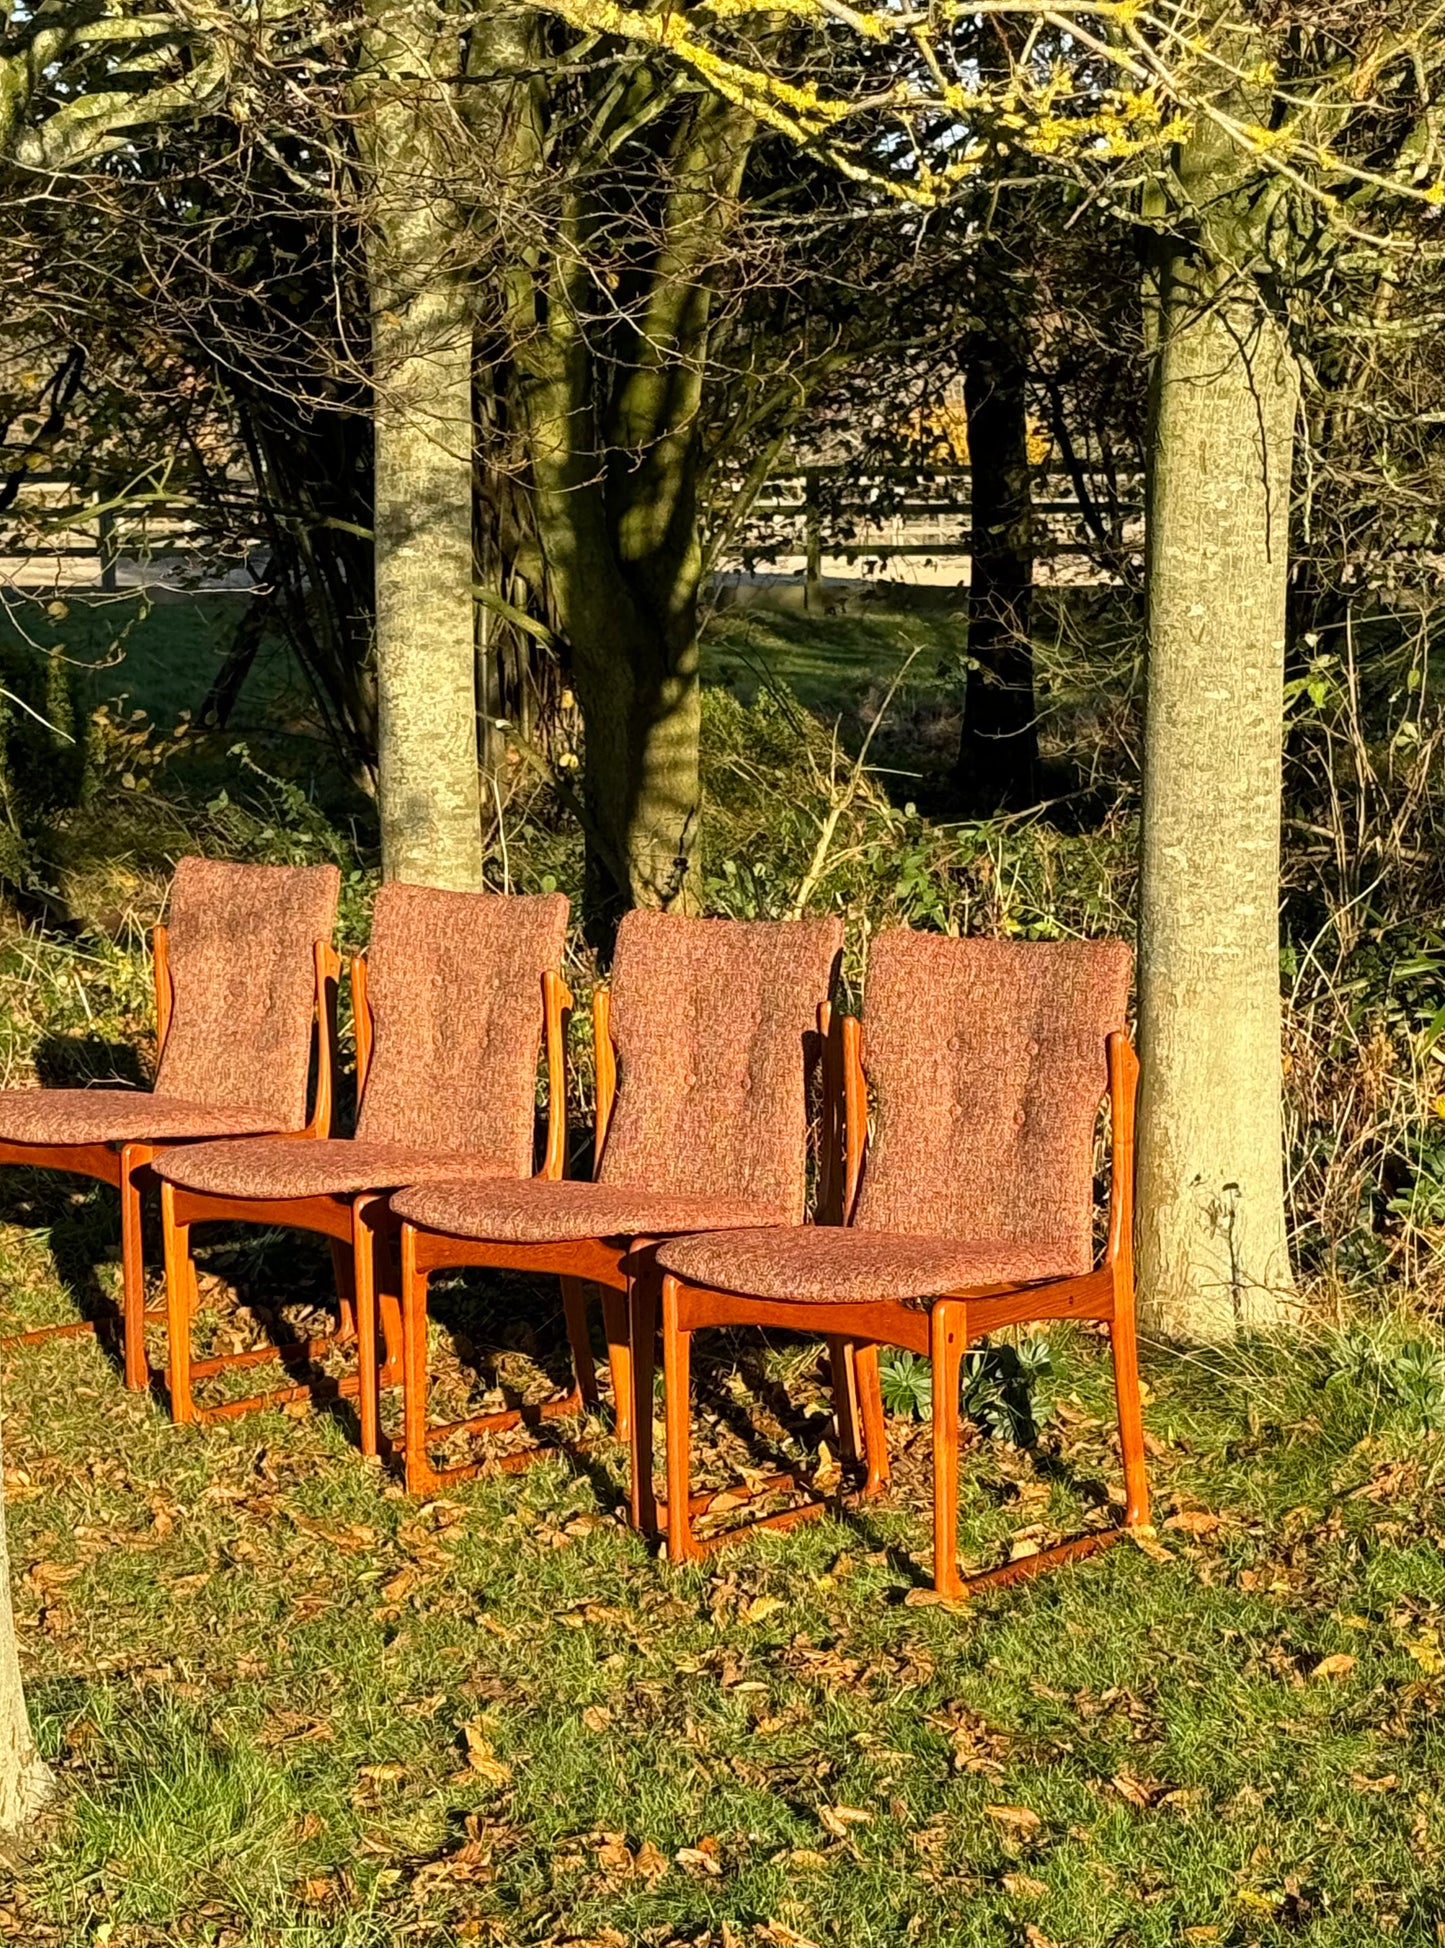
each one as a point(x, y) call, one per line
point(421, 332)
point(1213, 1256)
point(25, 1780)
point(613, 463)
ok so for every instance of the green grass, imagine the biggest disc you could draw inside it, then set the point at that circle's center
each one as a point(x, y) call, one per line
point(285, 1704)
point(160, 656)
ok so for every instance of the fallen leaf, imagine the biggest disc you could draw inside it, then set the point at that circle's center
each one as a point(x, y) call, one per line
point(701, 1859)
point(1024, 1887)
point(401, 1584)
point(926, 1598)
point(651, 1862)
point(184, 1586)
point(1134, 1790)
point(782, 1936)
point(1020, 1817)
point(837, 1819)
point(1338, 1664)
point(1146, 1540)
point(1427, 1654)
point(41, 1576)
point(1386, 1782)
point(614, 1857)
point(481, 1759)
point(388, 1774)
point(1193, 1521)
point(596, 1718)
point(760, 1609)
point(804, 1860)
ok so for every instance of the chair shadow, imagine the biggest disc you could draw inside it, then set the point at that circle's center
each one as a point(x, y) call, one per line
point(84, 1235)
point(263, 1290)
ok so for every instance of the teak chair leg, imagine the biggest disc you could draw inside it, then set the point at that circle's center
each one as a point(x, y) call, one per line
point(875, 1425)
point(615, 1324)
point(677, 1381)
point(574, 1308)
point(949, 1340)
point(843, 1376)
point(344, 1267)
point(858, 1403)
point(414, 1366)
point(1124, 1342)
point(366, 1248)
point(642, 1329)
point(180, 1298)
point(132, 1262)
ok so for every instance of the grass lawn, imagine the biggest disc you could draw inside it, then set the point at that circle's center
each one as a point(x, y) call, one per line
point(160, 655)
point(286, 1704)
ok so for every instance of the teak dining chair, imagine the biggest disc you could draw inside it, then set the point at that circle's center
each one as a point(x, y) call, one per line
point(245, 981)
point(703, 1046)
point(987, 1061)
point(451, 1005)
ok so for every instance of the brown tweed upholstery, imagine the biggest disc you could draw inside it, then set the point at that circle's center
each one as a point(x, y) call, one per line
point(276, 1168)
point(825, 1262)
point(67, 1116)
point(986, 1060)
point(243, 969)
point(711, 1019)
point(454, 981)
point(531, 1211)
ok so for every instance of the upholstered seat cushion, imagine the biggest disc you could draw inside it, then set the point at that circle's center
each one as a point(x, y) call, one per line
point(533, 1211)
point(312, 1167)
point(826, 1262)
point(65, 1116)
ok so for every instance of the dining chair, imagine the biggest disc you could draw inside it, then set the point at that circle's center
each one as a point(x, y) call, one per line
point(451, 1003)
point(245, 987)
point(704, 1044)
point(983, 1064)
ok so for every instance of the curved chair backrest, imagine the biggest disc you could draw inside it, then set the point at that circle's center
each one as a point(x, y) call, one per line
point(987, 1062)
point(241, 954)
point(715, 1023)
point(454, 990)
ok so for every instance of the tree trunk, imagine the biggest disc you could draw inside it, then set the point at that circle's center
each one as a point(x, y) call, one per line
point(1213, 1256)
point(642, 707)
point(427, 772)
point(25, 1780)
point(999, 747)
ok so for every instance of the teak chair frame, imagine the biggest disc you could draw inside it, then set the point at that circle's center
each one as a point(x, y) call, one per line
point(941, 1331)
point(622, 1268)
point(127, 1166)
point(575, 1262)
point(362, 1231)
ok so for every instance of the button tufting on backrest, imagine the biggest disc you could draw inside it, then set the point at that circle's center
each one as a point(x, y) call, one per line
point(987, 1130)
point(242, 958)
point(454, 981)
point(689, 999)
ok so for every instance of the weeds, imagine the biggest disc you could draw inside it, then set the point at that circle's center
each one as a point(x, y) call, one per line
point(999, 1387)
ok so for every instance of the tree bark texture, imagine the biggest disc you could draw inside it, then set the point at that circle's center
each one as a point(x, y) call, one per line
point(25, 1780)
point(427, 772)
point(613, 466)
point(1212, 1249)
